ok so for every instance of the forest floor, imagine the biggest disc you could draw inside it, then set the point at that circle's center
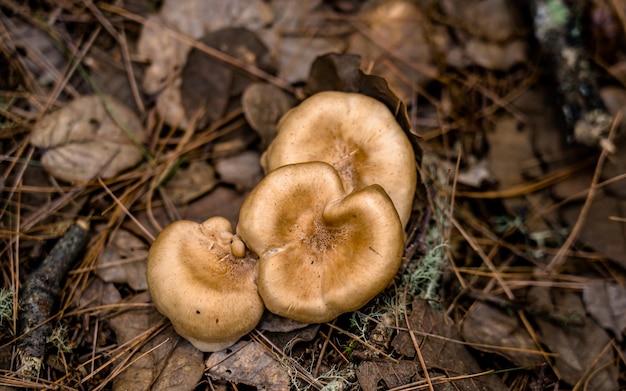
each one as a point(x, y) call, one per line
point(119, 117)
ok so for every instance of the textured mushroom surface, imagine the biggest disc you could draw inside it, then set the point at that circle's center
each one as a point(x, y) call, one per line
point(357, 135)
point(202, 278)
point(322, 252)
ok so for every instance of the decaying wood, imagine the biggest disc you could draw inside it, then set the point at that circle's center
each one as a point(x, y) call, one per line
point(559, 32)
point(39, 298)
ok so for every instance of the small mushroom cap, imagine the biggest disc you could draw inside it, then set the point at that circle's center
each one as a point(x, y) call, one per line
point(357, 135)
point(321, 252)
point(208, 294)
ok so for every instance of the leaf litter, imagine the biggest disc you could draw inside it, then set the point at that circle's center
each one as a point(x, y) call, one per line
point(123, 125)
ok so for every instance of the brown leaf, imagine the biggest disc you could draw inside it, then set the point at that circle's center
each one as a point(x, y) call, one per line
point(302, 31)
point(489, 31)
point(197, 17)
point(582, 354)
point(441, 353)
point(274, 323)
point(393, 374)
point(171, 364)
point(123, 260)
point(511, 152)
point(221, 201)
point(485, 324)
point(36, 49)
point(250, 363)
point(598, 230)
point(90, 136)
point(167, 55)
point(606, 303)
point(263, 105)
point(190, 182)
point(207, 93)
point(242, 170)
point(393, 35)
point(96, 294)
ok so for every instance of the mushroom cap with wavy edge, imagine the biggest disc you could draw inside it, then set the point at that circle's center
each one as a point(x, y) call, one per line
point(321, 252)
point(356, 134)
point(202, 278)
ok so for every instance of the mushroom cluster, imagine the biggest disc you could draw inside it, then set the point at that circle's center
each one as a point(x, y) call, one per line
point(320, 235)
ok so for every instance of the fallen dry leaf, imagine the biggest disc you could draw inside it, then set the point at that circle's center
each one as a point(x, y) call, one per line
point(274, 323)
point(490, 31)
point(221, 201)
point(606, 303)
point(582, 354)
point(205, 95)
point(263, 105)
point(242, 170)
point(250, 363)
point(197, 17)
point(168, 55)
point(302, 31)
point(96, 294)
point(391, 40)
point(393, 374)
point(510, 156)
point(89, 137)
point(598, 230)
point(173, 364)
point(37, 49)
point(496, 56)
point(487, 325)
point(123, 260)
point(442, 354)
point(191, 182)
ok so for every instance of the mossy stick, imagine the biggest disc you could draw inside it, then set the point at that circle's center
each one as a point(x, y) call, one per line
point(559, 30)
point(39, 297)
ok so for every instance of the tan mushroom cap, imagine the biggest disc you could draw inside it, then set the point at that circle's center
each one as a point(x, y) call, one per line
point(208, 294)
point(356, 134)
point(321, 252)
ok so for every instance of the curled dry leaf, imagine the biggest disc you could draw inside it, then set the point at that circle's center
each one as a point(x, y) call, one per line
point(91, 136)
